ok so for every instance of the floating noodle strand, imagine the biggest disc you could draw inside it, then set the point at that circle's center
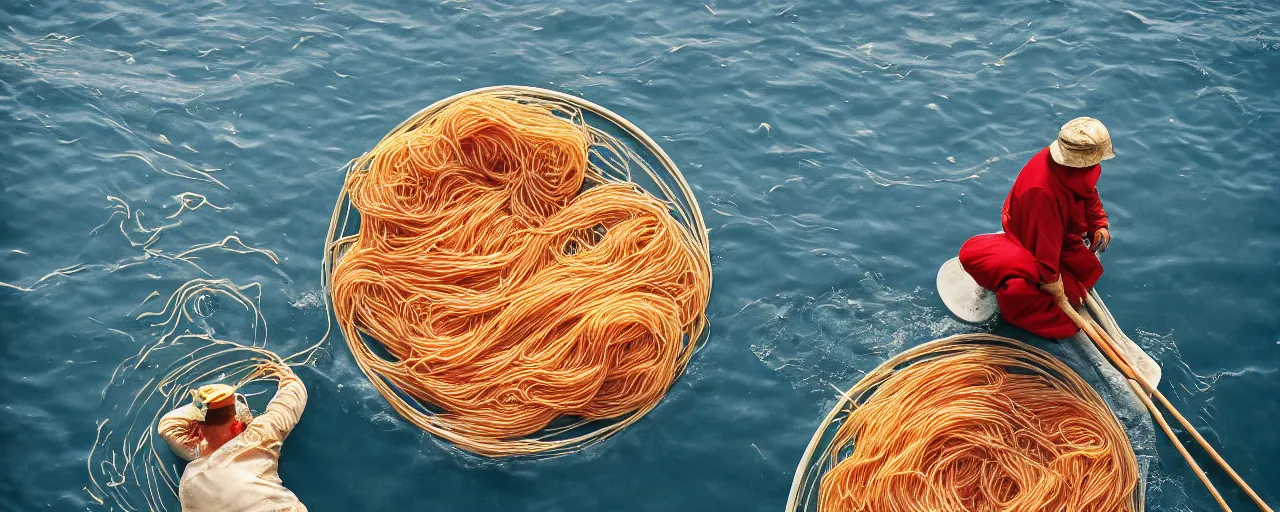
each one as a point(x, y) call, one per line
point(511, 282)
point(976, 423)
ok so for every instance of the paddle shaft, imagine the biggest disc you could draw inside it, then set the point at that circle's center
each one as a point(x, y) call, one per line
point(1108, 347)
point(1168, 431)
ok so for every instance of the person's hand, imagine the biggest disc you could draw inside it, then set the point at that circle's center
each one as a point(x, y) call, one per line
point(1055, 289)
point(1101, 239)
point(277, 371)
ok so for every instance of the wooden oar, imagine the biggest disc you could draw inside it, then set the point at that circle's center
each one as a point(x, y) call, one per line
point(1108, 347)
point(1141, 362)
point(1164, 425)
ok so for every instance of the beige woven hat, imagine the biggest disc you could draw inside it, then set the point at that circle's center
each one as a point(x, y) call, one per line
point(1082, 142)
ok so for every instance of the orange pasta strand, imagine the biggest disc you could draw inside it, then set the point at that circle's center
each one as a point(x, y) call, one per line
point(511, 283)
point(981, 429)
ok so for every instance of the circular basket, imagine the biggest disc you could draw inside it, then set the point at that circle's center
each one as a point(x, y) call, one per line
point(824, 449)
point(612, 159)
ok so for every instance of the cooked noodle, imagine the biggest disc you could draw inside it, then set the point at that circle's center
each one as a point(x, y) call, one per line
point(978, 427)
point(509, 280)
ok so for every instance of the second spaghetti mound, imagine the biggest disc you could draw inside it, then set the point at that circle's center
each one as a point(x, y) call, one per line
point(981, 428)
point(511, 283)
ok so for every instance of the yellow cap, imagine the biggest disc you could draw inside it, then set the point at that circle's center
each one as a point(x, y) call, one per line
point(214, 396)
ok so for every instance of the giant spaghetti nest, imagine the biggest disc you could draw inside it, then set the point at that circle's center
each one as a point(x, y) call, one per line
point(511, 288)
point(969, 423)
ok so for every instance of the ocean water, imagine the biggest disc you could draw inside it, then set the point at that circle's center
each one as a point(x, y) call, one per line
point(840, 151)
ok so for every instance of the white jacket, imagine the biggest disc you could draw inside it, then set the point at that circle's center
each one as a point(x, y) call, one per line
point(241, 475)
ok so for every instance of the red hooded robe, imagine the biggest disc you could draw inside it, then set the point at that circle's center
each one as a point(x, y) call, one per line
point(1048, 212)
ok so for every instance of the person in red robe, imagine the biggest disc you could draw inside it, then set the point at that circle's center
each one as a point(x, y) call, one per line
point(1041, 256)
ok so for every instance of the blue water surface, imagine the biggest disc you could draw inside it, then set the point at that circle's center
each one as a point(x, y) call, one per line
point(841, 151)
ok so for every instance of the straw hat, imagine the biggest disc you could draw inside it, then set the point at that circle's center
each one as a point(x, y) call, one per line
point(214, 396)
point(1082, 142)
